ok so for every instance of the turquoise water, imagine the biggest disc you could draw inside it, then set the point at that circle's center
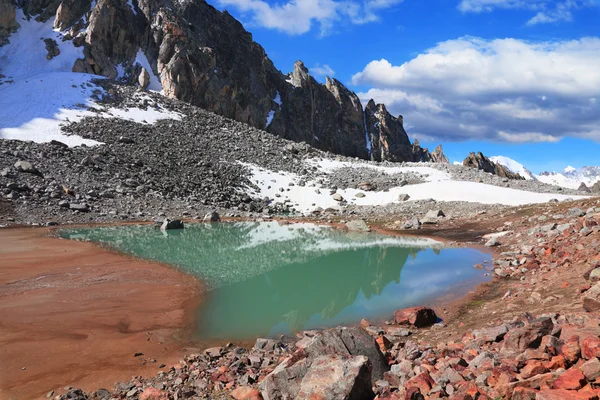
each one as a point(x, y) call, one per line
point(267, 278)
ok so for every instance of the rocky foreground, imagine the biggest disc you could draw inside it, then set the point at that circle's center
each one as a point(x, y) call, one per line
point(532, 333)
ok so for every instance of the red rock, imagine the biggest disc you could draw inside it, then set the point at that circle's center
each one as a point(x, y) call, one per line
point(246, 393)
point(153, 394)
point(573, 379)
point(585, 288)
point(416, 316)
point(590, 347)
point(383, 343)
point(522, 393)
point(533, 367)
point(556, 362)
point(422, 381)
point(413, 393)
point(561, 394)
point(571, 350)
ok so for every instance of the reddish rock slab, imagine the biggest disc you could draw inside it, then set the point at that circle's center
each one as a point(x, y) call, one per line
point(422, 381)
point(573, 379)
point(246, 393)
point(533, 367)
point(153, 394)
point(416, 316)
point(522, 393)
point(530, 335)
point(560, 394)
point(571, 350)
point(590, 347)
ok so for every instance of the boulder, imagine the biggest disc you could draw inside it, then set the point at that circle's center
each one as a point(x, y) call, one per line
point(434, 214)
point(357, 225)
point(81, 207)
point(365, 186)
point(337, 197)
point(144, 79)
point(591, 369)
point(171, 224)
point(333, 377)
point(26, 166)
point(52, 49)
point(330, 352)
point(212, 216)
point(583, 188)
point(530, 335)
point(416, 316)
point(573, 379)
point(403, 197)
point(591, 298)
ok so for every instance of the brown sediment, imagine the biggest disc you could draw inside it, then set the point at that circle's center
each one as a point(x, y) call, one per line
point(72, 313)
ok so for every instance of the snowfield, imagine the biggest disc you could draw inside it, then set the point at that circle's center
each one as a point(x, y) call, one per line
point(438, 186)
point(38, 96)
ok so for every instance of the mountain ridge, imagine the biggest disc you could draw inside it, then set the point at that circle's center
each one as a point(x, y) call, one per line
point(206, 58)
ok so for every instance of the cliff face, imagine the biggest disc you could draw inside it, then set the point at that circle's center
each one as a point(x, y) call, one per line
point(205, 57)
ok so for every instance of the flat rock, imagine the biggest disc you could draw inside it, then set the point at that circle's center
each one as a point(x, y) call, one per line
point(357, 225)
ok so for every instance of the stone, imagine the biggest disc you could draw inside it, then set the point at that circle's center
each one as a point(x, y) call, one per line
point(492, 242)
point(590, 347)
point(337, 197)
point(171, 224)
point(212, 216)
point(533, 367)
point(591, 299)
point(573, 379)
point(25, 166)
point(594, 275)
point(143, 79)
point(357, 225)
point(246, 393)
point(81, 207)
point(416, 316)
point(490, 335)
point(560, 394)
point(153, 394)
point(403, 197)
point(365, 186)
point(52, 49)
point(520, 338)
point(591, 369)
point(434, 214)
point(332, 377)
point(359, 195)
point(571, 350)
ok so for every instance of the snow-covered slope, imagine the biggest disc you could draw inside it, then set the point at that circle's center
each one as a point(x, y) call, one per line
point(38, 96)
point(571, 177)
point(514, 166)
point(438, 185)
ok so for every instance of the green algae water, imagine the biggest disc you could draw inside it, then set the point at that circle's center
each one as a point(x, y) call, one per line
point(267, 278)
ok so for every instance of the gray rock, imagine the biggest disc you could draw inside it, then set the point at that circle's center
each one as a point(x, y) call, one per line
point(591, 299)
point(492, 242)
point(82, 207)
point(403, 197)
point(360, 195)
point(575, 213)
point(337, 197)
point(357, 225)
point(212, 216)
point(25, 166)
point(144, 79)
point(431, 214)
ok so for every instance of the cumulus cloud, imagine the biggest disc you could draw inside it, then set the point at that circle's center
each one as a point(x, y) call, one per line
point(504, 89)
point(547, 11)
point(322, 70)
point(299, 16)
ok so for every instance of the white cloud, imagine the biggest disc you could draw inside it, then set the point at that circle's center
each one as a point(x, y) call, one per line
point(298, 16)
point(505, 89)
point(322, 70)
point(547, 11)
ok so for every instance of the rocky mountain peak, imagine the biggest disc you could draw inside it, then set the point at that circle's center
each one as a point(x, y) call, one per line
point(300, 75)
point(479, 161)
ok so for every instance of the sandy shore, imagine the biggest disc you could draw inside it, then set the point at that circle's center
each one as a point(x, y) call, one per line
point(72, 313)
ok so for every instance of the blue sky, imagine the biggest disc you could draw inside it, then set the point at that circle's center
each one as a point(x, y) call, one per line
point(519, 78)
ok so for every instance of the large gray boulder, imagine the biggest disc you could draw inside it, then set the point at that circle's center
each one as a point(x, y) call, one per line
point(343, 348)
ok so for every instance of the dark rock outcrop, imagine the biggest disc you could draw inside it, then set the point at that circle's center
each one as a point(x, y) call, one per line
point(479, 161)
point(8, 24)
point(206, 58)
point(388, 138)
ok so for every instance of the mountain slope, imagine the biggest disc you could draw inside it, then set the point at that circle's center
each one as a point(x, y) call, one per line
point(192, 52)
point(572, 177)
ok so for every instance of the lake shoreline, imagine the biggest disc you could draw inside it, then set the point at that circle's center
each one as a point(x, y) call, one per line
point(99, 261)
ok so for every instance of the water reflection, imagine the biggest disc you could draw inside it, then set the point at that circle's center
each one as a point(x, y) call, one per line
point(267, 278)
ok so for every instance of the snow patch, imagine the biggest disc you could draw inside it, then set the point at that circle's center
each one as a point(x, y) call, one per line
point(130, 4)
point(277, 99)
point(514, 166)
point(438, 186)
point(270, 118)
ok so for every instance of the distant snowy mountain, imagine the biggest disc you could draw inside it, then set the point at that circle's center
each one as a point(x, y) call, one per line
point(514, 166)
point(571, 177)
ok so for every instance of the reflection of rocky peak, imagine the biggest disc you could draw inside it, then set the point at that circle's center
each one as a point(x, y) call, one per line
point(479, 161)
